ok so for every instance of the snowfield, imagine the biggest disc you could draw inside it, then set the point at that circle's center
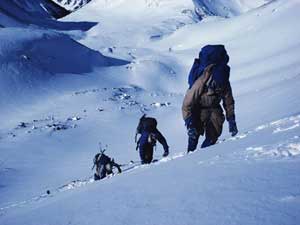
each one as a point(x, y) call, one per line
point(62, 91)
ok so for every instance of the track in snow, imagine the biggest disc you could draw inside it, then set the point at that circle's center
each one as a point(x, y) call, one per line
point(288, 148)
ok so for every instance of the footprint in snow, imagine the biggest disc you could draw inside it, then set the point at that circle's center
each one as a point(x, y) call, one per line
point(289, 149)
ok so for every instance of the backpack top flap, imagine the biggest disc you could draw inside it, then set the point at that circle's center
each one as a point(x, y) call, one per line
point(211, 54)
point(149, 124)
point(101, 158)
point(146, 124)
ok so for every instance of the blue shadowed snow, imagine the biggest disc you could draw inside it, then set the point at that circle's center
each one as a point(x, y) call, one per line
point(38, 12)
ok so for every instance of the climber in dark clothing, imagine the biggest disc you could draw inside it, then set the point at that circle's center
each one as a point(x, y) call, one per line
point(149, 134)
point(104, 166)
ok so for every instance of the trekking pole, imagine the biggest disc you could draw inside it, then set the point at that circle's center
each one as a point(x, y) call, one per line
point(100, 146)
point(135, 137)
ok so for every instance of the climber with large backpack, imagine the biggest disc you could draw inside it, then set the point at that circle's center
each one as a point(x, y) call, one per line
point(149, 134)
point(104, 165)
point(208, 85)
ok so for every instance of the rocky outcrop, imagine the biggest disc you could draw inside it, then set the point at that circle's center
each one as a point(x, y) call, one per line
point(72, 5)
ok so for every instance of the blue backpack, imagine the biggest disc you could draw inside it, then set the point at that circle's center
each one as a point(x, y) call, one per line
point(211, 54)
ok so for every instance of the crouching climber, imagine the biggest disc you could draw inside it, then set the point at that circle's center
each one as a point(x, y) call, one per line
point(149, 134)
point(104, 165)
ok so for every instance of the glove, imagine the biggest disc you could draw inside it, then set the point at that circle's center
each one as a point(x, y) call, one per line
point(232, 127)
point(166, 153)
point(119, 169)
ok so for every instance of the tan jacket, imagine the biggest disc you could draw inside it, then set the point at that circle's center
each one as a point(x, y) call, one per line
point(196, 97)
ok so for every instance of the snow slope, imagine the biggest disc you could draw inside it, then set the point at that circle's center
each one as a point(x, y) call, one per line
point(42, 13)
point(249, 179)
point(24, 11)
point(31, 60)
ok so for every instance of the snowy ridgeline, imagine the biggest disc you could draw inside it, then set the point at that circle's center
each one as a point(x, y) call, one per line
point(71, 5)
point(37, 13)
point(23, 10)
point(18, 12)
point(225, 8)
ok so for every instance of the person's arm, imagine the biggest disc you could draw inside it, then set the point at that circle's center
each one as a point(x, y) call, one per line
point(162, 140)
point(228, 102)
point(228, 105)
point(118, 167)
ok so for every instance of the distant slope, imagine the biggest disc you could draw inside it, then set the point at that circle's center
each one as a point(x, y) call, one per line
point(225, 8)
point(16, 13)
point(30, 57)
point(25, 10)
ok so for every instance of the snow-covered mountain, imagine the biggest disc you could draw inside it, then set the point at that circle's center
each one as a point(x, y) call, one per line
point(25, 11)
point(63, 92)
point(72, 5)
point(41, 13)
point(225, 8)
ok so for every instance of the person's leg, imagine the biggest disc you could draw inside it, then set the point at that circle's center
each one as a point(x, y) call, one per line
point(207, 142)
point(148, 154)
point(145, 149)
point(196, 129)
point(96, 177)
point(142, 146)
point(213, 128)
point(142, 153)
point(193, 137)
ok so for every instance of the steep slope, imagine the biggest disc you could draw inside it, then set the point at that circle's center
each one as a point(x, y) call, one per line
point(249, 179)
point(16, 13)
point(34, 57)
point(31, 54)
point(25, 11)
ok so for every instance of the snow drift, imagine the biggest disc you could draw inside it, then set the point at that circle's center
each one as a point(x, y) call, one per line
point(35, 56)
